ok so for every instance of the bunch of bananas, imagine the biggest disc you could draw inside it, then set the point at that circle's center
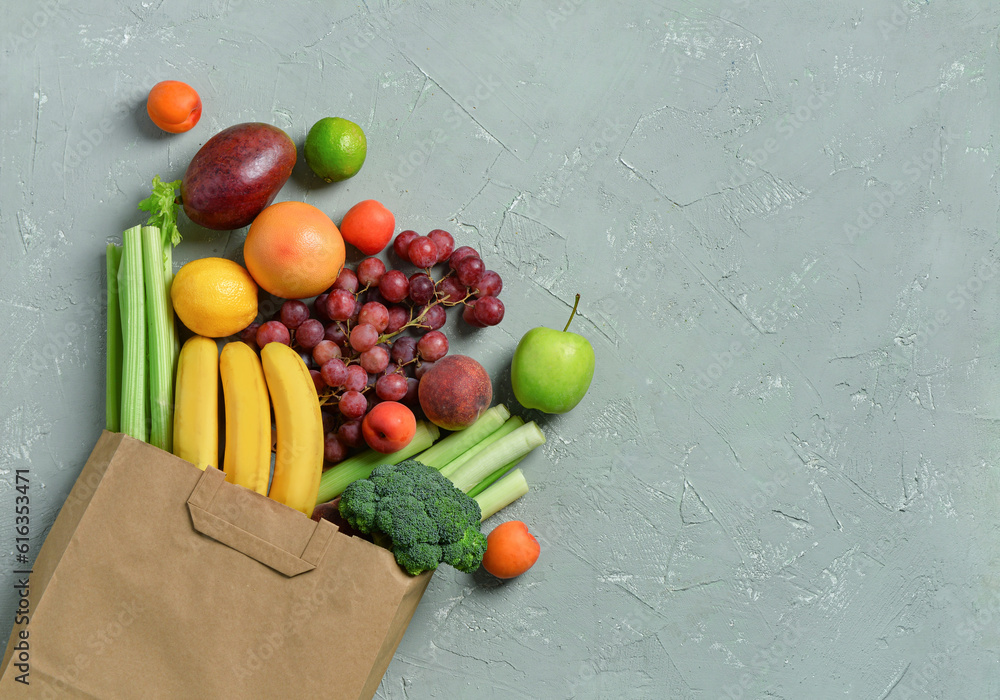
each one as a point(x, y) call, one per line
point(251, 385)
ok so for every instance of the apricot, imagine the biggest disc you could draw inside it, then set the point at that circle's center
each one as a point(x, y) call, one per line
point(173, 106)
point(389, 427)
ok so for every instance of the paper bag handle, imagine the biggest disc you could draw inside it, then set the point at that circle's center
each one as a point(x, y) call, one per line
point(207, 519)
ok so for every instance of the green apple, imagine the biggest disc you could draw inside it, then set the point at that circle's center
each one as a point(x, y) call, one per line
point(552, 370)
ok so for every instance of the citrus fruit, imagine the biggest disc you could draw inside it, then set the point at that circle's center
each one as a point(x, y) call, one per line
point(335, 148)
point(173, 106)
point(293, 250)
point(214, 297)
point(368, 226)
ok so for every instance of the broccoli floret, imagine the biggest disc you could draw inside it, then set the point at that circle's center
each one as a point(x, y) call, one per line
point(421, 514)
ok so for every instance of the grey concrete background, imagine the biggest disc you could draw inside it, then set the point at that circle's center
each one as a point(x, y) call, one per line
point(782, 218)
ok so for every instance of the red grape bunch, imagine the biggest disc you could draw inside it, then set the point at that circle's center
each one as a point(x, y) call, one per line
point(373, 334)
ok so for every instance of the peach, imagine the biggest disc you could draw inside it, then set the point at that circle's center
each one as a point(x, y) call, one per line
point(454, 392)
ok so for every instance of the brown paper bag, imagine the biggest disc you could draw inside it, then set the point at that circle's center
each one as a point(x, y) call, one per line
point(159, 580)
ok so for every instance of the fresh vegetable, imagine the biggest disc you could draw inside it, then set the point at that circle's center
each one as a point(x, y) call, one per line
point(131, 296)
point(337, 478)
point(455, 391)
point(508, 426)
point(551, 369)
point(113, 367)
point(247, 460)
point(494, 497)
point(510, 447)
point(161, 340)
point(448, 449)
point(510, 550)
point(196, 414)
point(418, 514)
point(236, 174)
point(173, 106)
point(159, 236)
point(298, 460)
point(139, 280)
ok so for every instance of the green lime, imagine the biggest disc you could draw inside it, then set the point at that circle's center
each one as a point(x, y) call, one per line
point(335, 148)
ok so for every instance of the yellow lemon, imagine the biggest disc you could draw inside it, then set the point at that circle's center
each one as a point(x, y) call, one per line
point(214, 297)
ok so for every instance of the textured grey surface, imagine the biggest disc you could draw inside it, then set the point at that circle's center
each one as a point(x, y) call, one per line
point(782, 218)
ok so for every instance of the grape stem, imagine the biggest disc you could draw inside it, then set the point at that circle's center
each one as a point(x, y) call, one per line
point(572, 313)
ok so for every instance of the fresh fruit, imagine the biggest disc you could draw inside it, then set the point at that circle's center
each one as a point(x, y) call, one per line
point(298, 461)
point(488, 311)
point(551, 369)
point(455, 391)
point(368, 226)
point(293, 312)
point(389, 427)
point(335, 148)
point(214, 297)
point(433, 346)
point(272, 332)
point(236, 174)
point(422, 252)
point(371, 336)
point(173, 106)
point(294, 250)
point(510, 550)
point(247, 460)
point(444, 242)
point(401, 245)
point(196, 403)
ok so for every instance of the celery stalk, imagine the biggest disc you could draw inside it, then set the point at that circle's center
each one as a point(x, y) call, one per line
point(160, 340)
point(444, 451)
point(113, 367)
point(508, 448)
point(133, 316)
point(502, 493)
point(162, 207)
point(488, 481)
point(509, 426)
point(336, 478)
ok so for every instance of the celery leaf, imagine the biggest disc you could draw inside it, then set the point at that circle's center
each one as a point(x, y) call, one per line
point(162, 208)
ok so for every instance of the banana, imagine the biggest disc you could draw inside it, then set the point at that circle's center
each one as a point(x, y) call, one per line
point(248, 418)
point(298, 463)
point(196, 403)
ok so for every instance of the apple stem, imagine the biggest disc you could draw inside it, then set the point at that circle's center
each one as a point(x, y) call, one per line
point(572, 313)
